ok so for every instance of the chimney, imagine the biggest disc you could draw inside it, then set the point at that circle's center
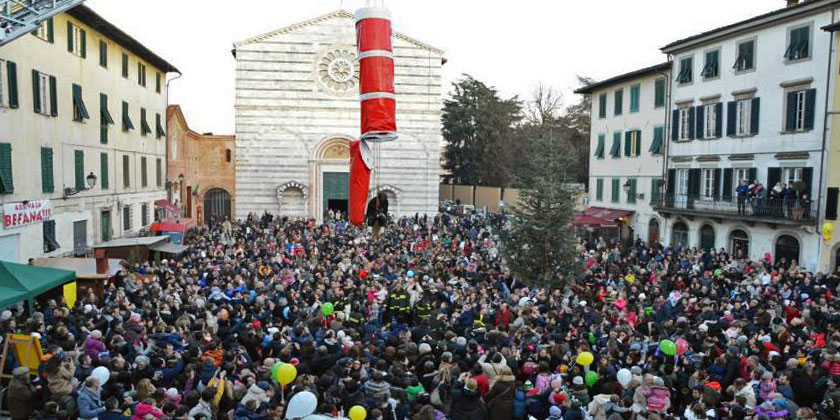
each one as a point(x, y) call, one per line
point(101, 261)
point(791, 3)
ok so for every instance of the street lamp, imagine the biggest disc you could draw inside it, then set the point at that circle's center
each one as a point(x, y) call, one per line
point(91, 182)
point(626, 187)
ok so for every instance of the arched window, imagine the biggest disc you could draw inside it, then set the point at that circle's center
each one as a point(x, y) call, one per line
point(707, 238)
point(679, 235)
point(653, 231)
point(739, 244)
point(216, 205)
point(787, 250)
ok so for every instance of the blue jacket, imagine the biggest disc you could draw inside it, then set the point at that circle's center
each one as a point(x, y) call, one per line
point(90, 406)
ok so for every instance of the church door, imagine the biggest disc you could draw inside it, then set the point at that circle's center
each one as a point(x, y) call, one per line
point(336, 192)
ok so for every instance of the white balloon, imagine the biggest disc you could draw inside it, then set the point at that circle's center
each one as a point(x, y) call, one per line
point(624, 377)
point(102, 373)
point(301, 405)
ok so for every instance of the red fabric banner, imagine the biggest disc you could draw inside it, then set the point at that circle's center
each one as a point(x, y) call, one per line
point(373, 34)
point(359, 184)
point(376, 75)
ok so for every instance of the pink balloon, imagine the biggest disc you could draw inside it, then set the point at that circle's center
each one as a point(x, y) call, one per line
point(682, 346)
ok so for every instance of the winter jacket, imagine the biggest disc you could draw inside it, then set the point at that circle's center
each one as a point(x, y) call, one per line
point(748, 394)
point(257, 394)
point(500, 399)
point(467, 406)
point(93, 347)
point(201, 408)
point(377, 391)
point(61, 383)
point(20, 402)
point(89, 404)
point(519, 404)
point(598, 407)
point(766, 389)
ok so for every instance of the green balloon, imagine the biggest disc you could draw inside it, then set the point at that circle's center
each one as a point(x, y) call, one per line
point(591, 378)
point(327, 309)
point(668, 347)
point(648, 310)
point(275, 370)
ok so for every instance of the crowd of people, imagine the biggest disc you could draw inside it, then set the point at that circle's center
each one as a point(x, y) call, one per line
point(427, 323)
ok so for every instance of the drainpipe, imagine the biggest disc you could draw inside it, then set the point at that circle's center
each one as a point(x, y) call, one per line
point(166, 172)
point(823, 165)
point(666, 144)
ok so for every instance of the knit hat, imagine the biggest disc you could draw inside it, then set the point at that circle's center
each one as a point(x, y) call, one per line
point(265, 386)
point(554, 411)
point(424, 348)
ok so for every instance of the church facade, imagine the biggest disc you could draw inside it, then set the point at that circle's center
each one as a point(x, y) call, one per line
point(297, 108)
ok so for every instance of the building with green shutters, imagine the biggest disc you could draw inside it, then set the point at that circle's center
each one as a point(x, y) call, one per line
point(627, 142)
point(82, 110)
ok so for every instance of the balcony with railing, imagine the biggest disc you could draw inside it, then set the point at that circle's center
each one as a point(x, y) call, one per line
point(790, 212)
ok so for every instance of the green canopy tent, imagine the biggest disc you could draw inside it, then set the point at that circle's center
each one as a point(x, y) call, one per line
point(19, 282)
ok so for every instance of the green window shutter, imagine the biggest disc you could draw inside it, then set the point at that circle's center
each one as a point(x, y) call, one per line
point(144, 175)
point(126, 119)
point(103, 54)
point(11, 76)
point(157, 82)
point(615, 150)
point(616, 187)
point(599, 189)
point(83, 47)
point(47, 181)
point(36, 91)
point(126, 172)
point(125, 65)
point(69, 37)
point(602, 105)
point(80, 169)
point(619, 102)
point(158, 172)
point(635, 91)
point(631, 192)
point(638, 150)
point(656, 145)
point(103, 169)
point(654, 190)
point(53, 97)
point(80, 110)
point(659, 93)
point(7, 184)
point(627, 145)
point(50, 31)
point(599, 151)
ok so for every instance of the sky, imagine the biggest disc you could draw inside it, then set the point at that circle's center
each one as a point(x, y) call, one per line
point(513, 46)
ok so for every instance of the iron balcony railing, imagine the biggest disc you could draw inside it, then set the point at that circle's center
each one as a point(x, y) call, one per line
point(771, 209)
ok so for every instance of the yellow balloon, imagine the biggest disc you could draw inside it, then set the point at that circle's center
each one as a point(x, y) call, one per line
point(286, 374)
point(585, 358)
point(358, 413)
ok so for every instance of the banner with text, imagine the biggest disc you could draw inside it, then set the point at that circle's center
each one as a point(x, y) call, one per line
point(26, 213)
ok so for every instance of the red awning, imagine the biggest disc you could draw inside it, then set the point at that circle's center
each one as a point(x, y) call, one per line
point(167, 205)
point(600, 217)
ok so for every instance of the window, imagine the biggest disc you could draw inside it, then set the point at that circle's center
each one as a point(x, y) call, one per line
point(144, 125)
point(125, 65)
point(144, 214)
point(103, 53)
point(79, 166)
point(679, 235)
point(711, 69)
point(7, 184)
point(144, 177)
point(659, 93)
point(599, 150)
point(104, 118)
point(658, 138)
point(599, 189)
point(686, 70)
point(602, 105)
point(710, 121)
point(800, 110)
point(127, 213)
point(141, 74)
point(44, 94)
point(126, 172)
point(47, 179)
point(631, 191)
point(707, 238)
point(635, 91)
point(682, 182)
point(632, 143)
point(159, 172)
point(228, 155)
point(791, 175)
point(4, 94)
point(126, 119)
point(615, 150)
point(159, 127)
point(104, 182)
point(80, 112)
point(709, 181)
point(618, 107)
point(8, 84)
point(157, 82)
point(798, 43)
point(746, 56)
point(685, 123)
point(46, 31)
point(76, 40)
point(742, 118)
point(50, 243)
point(616, 187)
point(742, 174)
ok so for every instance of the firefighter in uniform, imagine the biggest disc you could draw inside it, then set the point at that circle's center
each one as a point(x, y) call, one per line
point(422, 311)
point(398, 305)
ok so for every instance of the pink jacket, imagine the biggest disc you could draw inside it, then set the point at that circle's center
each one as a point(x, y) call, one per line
point(658, 398)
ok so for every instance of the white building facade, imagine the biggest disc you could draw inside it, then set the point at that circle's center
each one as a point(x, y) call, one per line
point(748, 104)
point(627, 140)
point(82, 113)
point(297, 108)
